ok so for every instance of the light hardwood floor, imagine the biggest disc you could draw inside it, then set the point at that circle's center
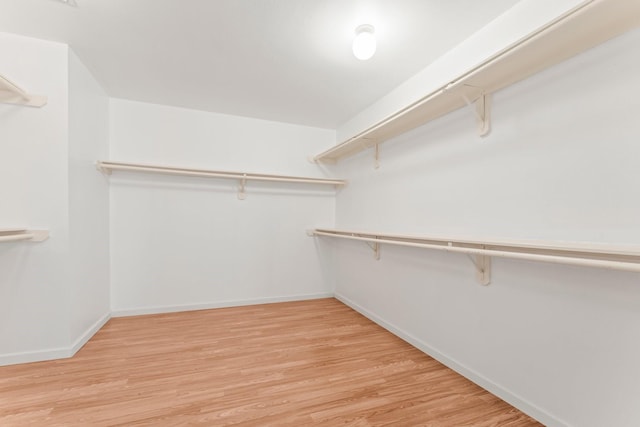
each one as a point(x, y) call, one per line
point(291, 364)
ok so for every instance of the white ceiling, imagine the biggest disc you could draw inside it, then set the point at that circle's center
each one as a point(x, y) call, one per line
point(282, 60)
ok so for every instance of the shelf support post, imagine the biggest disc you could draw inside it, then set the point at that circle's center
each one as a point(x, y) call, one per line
point(243, 182)
point(483, 114)
point(483, 269)
point(481, 108)
point(482, 263)
point(375, 247)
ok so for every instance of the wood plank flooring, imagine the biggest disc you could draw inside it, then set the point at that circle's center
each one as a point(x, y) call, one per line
point(291, 364)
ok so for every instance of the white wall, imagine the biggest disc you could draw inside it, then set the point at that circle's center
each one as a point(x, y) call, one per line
point(53, 295)
point(561, 163)
point(89, 294)
point(180, 243)
point(33, 192)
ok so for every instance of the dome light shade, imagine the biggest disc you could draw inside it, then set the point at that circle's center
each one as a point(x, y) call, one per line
point(364, 44)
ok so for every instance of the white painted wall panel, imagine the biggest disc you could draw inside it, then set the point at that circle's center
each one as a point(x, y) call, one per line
point(562, 163)
point(54, 294)
point(181, 242)
point(33, 192)
point(88, 200)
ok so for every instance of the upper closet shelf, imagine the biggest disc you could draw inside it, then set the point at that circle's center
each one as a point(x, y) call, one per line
point(10, 93)
point(242, 177)
point(17, 234)
point(578, 30)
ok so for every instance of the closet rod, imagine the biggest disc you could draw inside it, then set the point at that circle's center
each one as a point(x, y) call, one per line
point(592, 256)
point(16, 237)
point(17, 234)
point(107, 167)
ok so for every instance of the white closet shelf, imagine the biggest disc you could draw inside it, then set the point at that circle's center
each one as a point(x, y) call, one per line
point(108, 166)
point(582, 254)
point(589, 24)
point(11, 93)
point(17, 234)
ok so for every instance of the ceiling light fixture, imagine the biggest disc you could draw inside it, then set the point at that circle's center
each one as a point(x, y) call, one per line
point(364, 44)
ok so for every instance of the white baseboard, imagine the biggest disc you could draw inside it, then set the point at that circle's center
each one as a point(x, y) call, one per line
point(504, 394)
point(34, 356)
point(66, 352)
point(54, 353)
point(218, 304)
point(84, 338)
